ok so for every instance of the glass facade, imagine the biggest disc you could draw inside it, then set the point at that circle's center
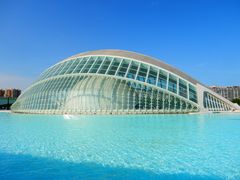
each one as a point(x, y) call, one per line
point(124, 68)
point(213, 103)
point(107, 84)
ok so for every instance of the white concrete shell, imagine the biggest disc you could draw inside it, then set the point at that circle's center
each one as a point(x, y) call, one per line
point(117, 82)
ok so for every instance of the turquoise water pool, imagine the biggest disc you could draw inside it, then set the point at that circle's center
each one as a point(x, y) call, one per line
point(120, 147)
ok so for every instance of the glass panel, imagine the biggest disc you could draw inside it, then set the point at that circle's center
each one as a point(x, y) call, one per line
point(205, 102)
point(182, 88)
point(104, 66)
point(88, 65)
point(166, 102)
point(178, 105)
point(73, 66)
point(142, 73)
point(172, 102)
point(189, 106)
point(192, 93)
point(160, 100)
point(123, 68)
point(152, 76)
point(148, 100)
point(162, 79)
point(133, 70)
point(80, 65)
point(113, 67)
point(96, 65)
point(66, 67)
point(183, 105)
point(154, 99)
point(56, 70)
point(172, 83)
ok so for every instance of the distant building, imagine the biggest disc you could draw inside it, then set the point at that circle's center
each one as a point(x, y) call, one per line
point(8, 93)
point(229, 92)
point(13, 93)
point(2, 92)
point(8, 97)
point(16, 93)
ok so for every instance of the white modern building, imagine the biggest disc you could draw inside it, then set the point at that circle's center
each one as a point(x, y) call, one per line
point(229, 92)
point(117, 82)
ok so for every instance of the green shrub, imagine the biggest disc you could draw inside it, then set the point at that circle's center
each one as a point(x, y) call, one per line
point(236, 101)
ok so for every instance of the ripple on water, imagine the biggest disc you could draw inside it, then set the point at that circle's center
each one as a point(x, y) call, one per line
point(184, 146)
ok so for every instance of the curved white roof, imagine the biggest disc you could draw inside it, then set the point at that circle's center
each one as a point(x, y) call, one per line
point(137, 56)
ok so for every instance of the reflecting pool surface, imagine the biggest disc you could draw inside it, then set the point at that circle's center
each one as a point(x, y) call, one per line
point(120, 147)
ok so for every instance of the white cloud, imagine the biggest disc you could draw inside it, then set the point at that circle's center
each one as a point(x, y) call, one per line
point(14, 81)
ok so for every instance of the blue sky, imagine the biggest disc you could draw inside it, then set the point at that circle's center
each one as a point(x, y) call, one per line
point(202, 38)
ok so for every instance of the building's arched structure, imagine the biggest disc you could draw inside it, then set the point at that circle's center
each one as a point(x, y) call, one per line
point(117, 82)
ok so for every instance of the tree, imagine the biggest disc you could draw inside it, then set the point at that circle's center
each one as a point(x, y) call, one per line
point(236, 101)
